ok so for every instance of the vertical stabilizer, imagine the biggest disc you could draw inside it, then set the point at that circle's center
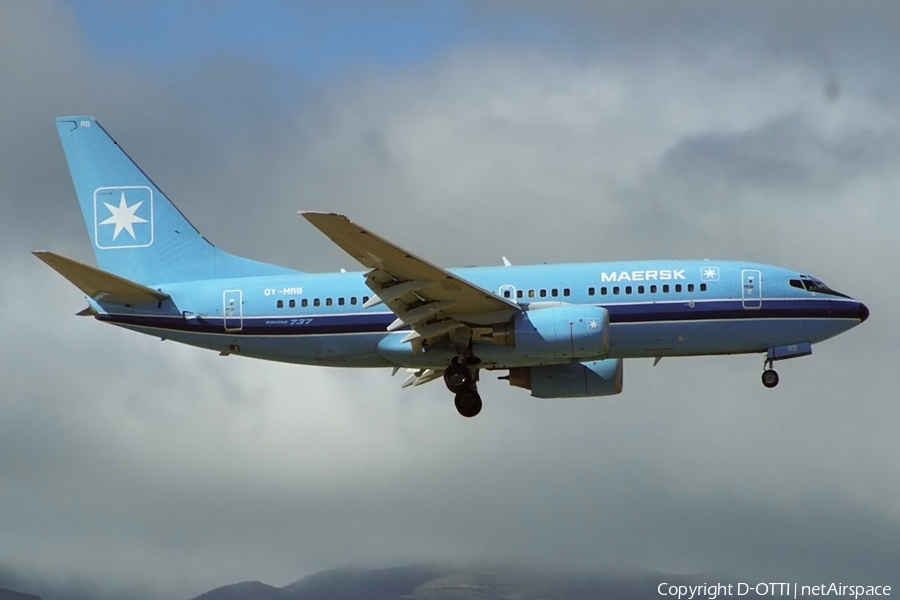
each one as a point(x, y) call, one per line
point(136, 232)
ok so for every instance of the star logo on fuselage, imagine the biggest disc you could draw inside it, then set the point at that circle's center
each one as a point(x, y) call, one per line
point(593, 324)
point(123, 216)
point(709, 274)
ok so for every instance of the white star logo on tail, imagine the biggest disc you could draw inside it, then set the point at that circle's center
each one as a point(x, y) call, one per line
point(123, 217)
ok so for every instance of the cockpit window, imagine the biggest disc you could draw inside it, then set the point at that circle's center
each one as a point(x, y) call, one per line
point(811, 284)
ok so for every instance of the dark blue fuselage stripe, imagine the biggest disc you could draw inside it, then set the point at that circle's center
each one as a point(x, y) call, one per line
point(377, 323)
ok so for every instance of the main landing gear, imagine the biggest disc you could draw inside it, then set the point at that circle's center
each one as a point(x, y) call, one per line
point(460, 380)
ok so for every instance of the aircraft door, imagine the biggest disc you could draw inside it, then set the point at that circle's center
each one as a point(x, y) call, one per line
point(233, 310)
point(508, 292)
point(751, 288)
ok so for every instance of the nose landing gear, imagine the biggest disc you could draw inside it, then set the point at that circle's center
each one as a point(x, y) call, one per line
point(769, 376)
point(460, 380)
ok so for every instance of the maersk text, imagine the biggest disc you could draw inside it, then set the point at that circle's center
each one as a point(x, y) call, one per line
point(663, 275)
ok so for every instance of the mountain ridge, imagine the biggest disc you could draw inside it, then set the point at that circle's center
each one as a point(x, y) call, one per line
point(7, 594)
point(411, 582)
point(427, 582)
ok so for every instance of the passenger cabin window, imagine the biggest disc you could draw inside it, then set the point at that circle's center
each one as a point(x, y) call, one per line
point(554, 292)
point(316, 302)
point(304, 303)
point(652, 289)
point(292, 303)
point(365, 299)
point(353, 300)
point(591, 291)
point(519, 293)
point(640, 289)
point(665, 288)
point(690, 287)
point(566, 291)
point(543, 293)
point(615, 290)
point(507, 293)
point(327, 301)
point(677, 287)
point(340, 301)
point(603, 291)
point(280, 304)
point(627, 289)
point(531, 293)
point(702, 287)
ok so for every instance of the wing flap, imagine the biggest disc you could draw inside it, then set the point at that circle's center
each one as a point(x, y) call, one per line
point(100, 285)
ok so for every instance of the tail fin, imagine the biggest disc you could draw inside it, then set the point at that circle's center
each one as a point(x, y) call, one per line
point(135, 230)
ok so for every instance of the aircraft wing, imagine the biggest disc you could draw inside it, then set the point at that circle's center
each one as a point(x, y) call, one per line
point(431, 300)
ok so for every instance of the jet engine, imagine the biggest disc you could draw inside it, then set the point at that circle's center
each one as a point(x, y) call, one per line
point(574, 380)
point(558, 332)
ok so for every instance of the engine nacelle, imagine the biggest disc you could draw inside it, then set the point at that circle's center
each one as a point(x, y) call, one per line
point(558, 332)
point(574, 380)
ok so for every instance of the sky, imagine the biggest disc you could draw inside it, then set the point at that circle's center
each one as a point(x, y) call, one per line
point(464, 131)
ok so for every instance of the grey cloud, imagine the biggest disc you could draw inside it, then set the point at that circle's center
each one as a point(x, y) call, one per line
point(122, 456)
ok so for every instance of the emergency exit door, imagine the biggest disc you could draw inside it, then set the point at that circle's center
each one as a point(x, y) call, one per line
point(233, 310)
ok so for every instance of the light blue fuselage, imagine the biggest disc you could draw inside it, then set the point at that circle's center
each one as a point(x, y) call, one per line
point(656, 309)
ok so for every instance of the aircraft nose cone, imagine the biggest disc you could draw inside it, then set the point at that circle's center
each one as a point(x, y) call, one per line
point(863, 312)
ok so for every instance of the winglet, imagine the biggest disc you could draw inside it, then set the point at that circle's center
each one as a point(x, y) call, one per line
point(100, 285)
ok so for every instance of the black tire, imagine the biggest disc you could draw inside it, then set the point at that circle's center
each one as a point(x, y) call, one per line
point(770, 378)
point(468, 403)
point(458, 378)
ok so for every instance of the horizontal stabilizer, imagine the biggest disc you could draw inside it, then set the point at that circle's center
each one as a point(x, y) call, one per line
point(100, 285)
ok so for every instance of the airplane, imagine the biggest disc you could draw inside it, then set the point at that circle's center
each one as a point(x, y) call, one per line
point(558, 330)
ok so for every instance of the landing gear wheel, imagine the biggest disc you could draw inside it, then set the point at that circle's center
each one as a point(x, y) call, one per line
point(770, 378)
point(458, 378)
point(468, 403)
